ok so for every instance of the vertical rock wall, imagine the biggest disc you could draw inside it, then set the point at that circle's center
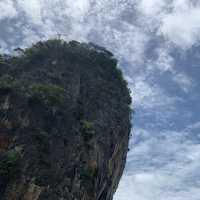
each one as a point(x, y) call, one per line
point(64, 123)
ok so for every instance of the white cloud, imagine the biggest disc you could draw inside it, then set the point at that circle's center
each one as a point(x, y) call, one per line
point(82, 20)
point(32, 8)
point(164, 62)
point(3, 46)
point(77, 9)
point(151, 7)
point(161, 166)
point(38, 10)
point(194, 126)
point(149, 95)
point(182, 26)
point(129, 42)
point(184, 82)
point(7, 9)
point(176, 20)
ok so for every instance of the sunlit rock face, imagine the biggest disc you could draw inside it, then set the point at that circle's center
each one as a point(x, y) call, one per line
point(64, 123)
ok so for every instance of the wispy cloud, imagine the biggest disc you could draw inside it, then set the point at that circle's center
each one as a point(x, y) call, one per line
point(149, 95)
point(195, 125)
point(183, 81)
point(164, 62)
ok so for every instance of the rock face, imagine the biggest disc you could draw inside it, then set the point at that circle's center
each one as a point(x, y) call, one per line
point(64, 123)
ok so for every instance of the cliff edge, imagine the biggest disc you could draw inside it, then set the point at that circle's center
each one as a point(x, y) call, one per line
point(64, 122)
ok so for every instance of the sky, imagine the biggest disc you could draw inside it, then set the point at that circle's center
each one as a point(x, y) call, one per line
point(157, 43)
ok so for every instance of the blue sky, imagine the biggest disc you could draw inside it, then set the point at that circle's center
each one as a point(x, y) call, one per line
point(157, 45)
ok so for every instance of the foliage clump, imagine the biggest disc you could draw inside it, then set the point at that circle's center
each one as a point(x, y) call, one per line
point(87, 177)
point(41, 139)
point(87, 130)
point(9, 165)
point(48, 93)
point(7, 82)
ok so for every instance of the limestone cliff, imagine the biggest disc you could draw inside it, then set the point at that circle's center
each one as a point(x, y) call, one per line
point(64, 123)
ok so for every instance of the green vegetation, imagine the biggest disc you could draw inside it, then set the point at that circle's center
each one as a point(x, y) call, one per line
point(87, 179)
point(87, 126)
point(9, 165)
point(87, 130)
point(41, 139)
point(7, 82)
point(48, 93)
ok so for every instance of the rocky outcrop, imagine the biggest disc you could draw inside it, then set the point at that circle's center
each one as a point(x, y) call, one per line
point(64, 123)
